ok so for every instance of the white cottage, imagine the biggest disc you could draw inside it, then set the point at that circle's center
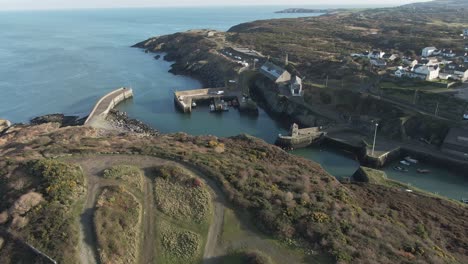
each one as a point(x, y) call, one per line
point(428, 51)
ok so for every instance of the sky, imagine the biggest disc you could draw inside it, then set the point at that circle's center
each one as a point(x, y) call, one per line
point(71, 4)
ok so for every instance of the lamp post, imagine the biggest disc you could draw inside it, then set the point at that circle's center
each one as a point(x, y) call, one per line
point(375, 137)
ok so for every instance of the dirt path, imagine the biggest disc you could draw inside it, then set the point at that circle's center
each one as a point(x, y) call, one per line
point(94, 165)
point(148, 246)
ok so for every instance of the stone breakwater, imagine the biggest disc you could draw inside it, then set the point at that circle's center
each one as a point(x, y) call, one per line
point(120, 121)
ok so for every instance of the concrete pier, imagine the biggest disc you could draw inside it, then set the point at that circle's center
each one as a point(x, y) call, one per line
point(184, 99)
point(300, 138)
point(105, 104)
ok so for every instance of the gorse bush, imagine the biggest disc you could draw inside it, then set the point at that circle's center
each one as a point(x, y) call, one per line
point(61, 182)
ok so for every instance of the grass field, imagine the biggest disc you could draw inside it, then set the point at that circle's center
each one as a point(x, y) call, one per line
point(184, 212)
point(117, 221)
point(131, 175)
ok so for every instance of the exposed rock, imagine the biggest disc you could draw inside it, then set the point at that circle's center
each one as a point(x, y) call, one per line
point(157, 57)
point(62, 119)
point(2, 241)
point(3, 217)
point(25, 203)
point(4, 124)
point(122, 122)
point(19, 222)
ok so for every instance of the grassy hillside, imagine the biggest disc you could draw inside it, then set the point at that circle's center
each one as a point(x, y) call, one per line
point(289, 198)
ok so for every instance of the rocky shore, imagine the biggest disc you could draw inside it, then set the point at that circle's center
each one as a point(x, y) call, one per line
point(194, 54)
point(62, 119)
point(120, 121)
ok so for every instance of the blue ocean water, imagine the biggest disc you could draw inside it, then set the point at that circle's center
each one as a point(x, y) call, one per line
point(62, 61)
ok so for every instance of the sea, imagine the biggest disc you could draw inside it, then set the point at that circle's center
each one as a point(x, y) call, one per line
point(62, 61)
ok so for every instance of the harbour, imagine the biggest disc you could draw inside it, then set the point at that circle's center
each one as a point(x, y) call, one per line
point(102, 62)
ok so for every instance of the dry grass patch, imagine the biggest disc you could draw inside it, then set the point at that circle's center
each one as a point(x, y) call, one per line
point(181, 196)
point(127, 173)
point(178, 245)
point(117, 220)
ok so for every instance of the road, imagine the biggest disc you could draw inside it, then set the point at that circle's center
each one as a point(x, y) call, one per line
point(93, 167)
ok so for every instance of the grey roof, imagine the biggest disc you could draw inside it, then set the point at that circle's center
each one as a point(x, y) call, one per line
point(271, 70)
point(457, 136)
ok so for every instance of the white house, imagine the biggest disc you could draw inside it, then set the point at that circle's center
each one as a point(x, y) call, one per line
point(275, 73)
point(376, 54)
point(431, 72)
point(296, 86)
point(428, 51)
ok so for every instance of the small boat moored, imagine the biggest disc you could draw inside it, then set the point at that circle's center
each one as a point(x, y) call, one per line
point(409, 159)
point(464, 200)
point(194, 104)
point(398, 168)
point(404, 162)
point(423, 171)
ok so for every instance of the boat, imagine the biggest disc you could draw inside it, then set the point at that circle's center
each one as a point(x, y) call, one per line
point(464, 200)
point(423, 171)
point(194, 104)
point(409, 159)
point(398, 168)
point(212, 108)
point(404, 162)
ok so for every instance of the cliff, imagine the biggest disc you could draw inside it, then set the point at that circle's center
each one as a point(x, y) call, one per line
point(195, 54)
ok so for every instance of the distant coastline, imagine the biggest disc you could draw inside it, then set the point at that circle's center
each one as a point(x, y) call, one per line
point(306, 11)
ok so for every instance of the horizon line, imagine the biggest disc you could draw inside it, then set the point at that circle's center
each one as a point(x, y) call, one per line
point(349, 6)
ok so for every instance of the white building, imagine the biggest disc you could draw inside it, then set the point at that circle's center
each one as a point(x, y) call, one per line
point(376, 54)
point(428, 51)
point(296, 86)
point(275, 73)
point(431, 72)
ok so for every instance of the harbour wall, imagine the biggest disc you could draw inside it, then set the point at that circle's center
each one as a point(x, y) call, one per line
point(108, 102)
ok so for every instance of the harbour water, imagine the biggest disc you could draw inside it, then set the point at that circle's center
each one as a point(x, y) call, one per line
point(63, 61)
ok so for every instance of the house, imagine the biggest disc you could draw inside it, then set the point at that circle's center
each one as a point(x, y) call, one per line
point(465, 58)
point(296, 86)
point(401, 72)
point(448, 53)
point(390, 57)
point(428, 51)
point(431, 72)
point(458, 72)
point(378, 63)
point(409, 61)
point(275, 73)
point(376, 54)
point(456, 143)
point(465, 32)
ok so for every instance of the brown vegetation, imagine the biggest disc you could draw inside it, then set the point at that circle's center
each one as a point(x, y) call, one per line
point(291, 198)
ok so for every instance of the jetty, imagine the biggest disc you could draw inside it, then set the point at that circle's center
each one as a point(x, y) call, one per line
point(105, 104)
point(184, 99)
point(300, 138)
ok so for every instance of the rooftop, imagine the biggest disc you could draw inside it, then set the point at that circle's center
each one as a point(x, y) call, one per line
point(272, 71)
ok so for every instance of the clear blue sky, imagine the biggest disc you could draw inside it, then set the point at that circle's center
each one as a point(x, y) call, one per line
point(67, 4)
